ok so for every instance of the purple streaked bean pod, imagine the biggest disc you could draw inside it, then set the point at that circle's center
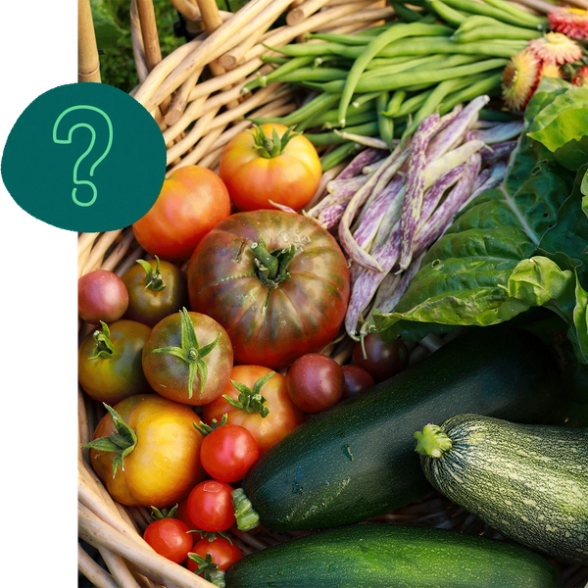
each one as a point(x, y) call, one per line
point(347, 185)
point(452, 159)
point(494, 178)
point(330, 216)
point(373, 215)
point(454, 201)
point(372, 167)
point(500, 133)
point(337, 192)
point(394, 286)
point(454, 133)
point(415, 185)
point(361, 160)
point(353, 250)
point(496, 152)
point(282, 207)
point(434, 194)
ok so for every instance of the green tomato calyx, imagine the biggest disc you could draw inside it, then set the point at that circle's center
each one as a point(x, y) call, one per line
point(153, 278)
point(272, 268)
point(432, 441)
point(205, 429)
point(164, 513)
point(251, 400)
point(103, 347)
point(191, 353)
point(271, 147)
point(122, 442)
point(208, 570)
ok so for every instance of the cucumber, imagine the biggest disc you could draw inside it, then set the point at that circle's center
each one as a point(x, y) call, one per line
point(528, 482)
point(384, 556)
point(357, 459)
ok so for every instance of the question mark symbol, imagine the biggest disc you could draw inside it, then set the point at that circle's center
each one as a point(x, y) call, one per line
point(69, 140)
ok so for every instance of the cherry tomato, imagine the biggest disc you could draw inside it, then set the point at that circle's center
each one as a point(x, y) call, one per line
point(272, 316)
point(315, 382)
point(228, 452)
point(222, 551)
point(269, 163)
point(109, 361)
point(210, 507)
point(102, 296)
point(192, 200)
point(282, 415)
point(170, 538)
point(188, 358)
point(156, 289)
point(384, 359)
point(163, 459)
point(356, 380)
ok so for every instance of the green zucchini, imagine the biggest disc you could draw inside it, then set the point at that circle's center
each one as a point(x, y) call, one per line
point(528, 482)
point(384, 555)
point(357, 459)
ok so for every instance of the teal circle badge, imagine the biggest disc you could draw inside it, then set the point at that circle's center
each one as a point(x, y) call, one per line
point(85, 157)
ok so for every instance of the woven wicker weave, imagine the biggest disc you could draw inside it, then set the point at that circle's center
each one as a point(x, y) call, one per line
point(198, 87)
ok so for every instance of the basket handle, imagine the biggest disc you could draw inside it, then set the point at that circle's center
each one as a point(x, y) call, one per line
point(88, 61)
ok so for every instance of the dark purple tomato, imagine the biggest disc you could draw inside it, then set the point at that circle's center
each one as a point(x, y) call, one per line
point(315, 382)
point(102, 296)
point(356, 380)
point(383, 359)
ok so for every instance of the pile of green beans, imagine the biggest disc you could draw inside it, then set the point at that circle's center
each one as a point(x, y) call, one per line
point(382, 82)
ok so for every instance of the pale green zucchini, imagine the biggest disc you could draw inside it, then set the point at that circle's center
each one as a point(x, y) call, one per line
point(529, 482)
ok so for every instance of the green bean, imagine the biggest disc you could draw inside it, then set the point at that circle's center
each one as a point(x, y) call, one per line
point(474, 21)
point(385, 123)
point(393, 105)
point(522, 15)
point(447, 13)
point(485, 85)
point(290, 66)
point(363, 98)
point(394, 33)
point(304, 49)
point(341, 38)
point(412, 104)
point(274, 59)
point(320, 103)
point(369, 129)
point(330, 116)
point(339, 154)
point(491, 32)
point(405, 13)
point(385, 61)
point(314, 74)
point(487, 10)
point(394, 69)
point(354, 119)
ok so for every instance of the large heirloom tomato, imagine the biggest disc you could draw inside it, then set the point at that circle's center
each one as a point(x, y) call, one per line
point(277, 281)
point(267, 164)
point(146, 450)
point(192, 200)
point(253, 397)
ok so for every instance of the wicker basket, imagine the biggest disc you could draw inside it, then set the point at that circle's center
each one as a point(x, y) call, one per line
point(228, 51)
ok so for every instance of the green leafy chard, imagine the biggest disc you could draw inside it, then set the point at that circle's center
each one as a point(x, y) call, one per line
point(522, 245)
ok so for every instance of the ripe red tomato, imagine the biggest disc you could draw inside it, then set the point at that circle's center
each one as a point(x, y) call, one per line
point(156, 289)
point(188, 358)
point(170, 538)
point(223, 553)
point(356, 380)
point(109, 361)
point(228, 452)
point(383, 359)
point(282, 417)
point(210, 507)
point(159, 450)
point(102, 296)
point(192, 200)
point(257, 168)
point(291, 303)
point(315, 382)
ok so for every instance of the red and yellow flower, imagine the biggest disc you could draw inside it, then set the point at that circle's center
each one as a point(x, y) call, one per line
point(572, 22)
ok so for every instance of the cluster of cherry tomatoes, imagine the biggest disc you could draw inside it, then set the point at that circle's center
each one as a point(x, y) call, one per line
point(194, 397)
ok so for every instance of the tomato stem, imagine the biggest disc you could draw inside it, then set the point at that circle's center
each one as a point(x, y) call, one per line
point(191, 353)
point(122, 441)
point(103, 347)
point(272, 268)
point(250, 400)
point(153, 278)
point(270, 148)
point(208, 570)
point(205, 429)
